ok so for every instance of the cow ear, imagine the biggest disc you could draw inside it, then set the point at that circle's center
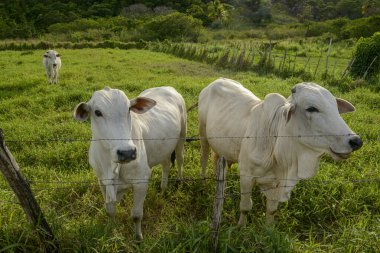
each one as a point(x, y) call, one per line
point(141, 104)
point(45, 55)
point(344, 106)
point(58, 55)
point(81, 111)
point(289, 111)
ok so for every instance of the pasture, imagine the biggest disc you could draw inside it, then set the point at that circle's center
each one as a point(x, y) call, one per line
point(337, 211)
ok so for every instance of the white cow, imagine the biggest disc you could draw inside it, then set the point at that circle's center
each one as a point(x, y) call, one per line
point(131, 136)
point(276, 141)
point(52, 64)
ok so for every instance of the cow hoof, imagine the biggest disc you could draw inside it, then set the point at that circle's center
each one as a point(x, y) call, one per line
point(242, 220)
point(139, 237)
point(111, 209)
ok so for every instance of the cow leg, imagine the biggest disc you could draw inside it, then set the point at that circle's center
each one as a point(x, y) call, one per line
point(110, 206)
point(57, 77)
point(111, 209)
point(54, 76)
point(48, 75)
point(272, 206)
point(165, 174)
point(205, 151)
point(246, 185)
point(179, 156)
point(139, 194)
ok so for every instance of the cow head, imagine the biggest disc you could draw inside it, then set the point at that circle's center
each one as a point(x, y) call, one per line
point(52, 57)
point(314, 114)
point(111, 121)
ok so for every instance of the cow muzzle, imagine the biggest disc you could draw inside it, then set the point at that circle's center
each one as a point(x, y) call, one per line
point(126, 156)
point(355, 143)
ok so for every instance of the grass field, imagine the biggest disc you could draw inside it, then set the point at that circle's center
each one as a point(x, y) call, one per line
point(337, 211)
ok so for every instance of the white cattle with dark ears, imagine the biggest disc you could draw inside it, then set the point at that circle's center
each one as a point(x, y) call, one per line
point(52, 64)
point(276, 141)
point(129, 137)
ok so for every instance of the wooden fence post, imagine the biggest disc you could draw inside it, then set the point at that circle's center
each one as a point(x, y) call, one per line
point(218, 204)
point(370, 65)
point(316, 69)
point(348, 68)
point(20, 186)
point(327, 58)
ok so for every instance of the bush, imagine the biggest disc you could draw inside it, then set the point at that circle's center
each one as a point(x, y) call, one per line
point(344, 28)
point(364, 27)
point(365, 52)
point(175, 27)
point(276, 32)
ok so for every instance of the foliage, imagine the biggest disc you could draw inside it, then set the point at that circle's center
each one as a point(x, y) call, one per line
point(31, 18)
point(344, 28)
point(364, 27)
point(366, 51)
point(175, 26)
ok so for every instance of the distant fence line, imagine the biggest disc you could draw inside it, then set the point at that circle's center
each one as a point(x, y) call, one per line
point(238, 56)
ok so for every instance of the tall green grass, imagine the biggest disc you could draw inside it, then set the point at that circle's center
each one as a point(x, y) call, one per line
point(338, 211)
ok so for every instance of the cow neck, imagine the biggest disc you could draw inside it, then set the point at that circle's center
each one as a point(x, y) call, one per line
point(302, 161)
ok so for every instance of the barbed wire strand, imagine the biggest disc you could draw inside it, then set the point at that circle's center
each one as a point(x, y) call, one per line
point(189, 139)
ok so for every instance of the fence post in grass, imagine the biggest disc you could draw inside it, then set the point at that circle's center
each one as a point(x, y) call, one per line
point(348, 68)
point(218, 204)
point(335, 62)
point(327, 57)
point(295, 60)
point(307, 63)
point(20, 186)
point(282, 63)
point(316, 69)
point(370, 65)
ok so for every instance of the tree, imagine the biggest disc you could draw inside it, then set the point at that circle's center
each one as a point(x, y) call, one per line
point(219, 12)
point(349, 8)
point(371, 8)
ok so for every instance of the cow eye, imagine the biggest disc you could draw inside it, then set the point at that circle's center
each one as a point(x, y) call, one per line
point(98, 113)
point(312, 109)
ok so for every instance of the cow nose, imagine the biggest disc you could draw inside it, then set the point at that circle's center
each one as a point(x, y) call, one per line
point(355, 143)
point(126, 155)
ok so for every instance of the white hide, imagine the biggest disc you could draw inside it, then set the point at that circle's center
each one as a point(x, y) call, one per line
point(153, 124)
point(283, 138)
point(52, 64)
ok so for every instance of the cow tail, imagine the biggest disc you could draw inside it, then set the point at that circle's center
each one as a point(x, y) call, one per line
point(172, 159)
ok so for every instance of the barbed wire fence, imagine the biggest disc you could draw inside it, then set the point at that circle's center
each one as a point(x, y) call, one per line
point(221, 180)
point(187, 139)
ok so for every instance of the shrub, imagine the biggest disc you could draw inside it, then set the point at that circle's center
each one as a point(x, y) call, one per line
point(175, 26)
point(364, 27)
point(276, 32)
point(316, 28)
point(344, 28)
point(365, 52)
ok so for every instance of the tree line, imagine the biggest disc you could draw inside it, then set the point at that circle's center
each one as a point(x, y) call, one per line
point(30, 18)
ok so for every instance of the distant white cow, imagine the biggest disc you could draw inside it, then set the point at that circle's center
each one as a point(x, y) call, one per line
point(276, 141)
point(131, 136)
point(52, 64)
